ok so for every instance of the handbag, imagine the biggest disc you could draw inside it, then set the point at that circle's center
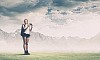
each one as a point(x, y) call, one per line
point(22, 30)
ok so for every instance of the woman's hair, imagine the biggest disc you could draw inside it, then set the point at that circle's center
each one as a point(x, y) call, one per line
point(25, 20)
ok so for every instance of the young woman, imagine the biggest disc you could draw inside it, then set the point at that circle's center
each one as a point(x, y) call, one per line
point(25, 33)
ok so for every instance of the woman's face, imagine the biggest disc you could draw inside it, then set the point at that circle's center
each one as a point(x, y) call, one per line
point(26, 21)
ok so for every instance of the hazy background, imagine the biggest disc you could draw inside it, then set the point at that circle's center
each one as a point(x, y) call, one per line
point(58, 25)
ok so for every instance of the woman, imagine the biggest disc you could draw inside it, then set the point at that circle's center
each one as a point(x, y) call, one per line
point(25, 33)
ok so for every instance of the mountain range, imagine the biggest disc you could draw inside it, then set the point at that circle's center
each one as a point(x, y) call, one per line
point(40, 42)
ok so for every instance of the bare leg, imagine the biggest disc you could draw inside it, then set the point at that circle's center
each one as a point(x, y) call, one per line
point(24, 43)
point(27, 40)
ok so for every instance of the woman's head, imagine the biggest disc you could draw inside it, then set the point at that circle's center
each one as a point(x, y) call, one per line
point(26, 21)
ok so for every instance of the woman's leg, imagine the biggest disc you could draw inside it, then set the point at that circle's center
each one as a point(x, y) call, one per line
point(27, 40)
point(24, 43)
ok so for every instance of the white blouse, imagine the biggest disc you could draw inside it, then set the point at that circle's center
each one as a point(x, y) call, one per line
point(27, 27)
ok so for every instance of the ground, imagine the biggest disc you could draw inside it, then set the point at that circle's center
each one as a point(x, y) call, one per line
point(50, 56)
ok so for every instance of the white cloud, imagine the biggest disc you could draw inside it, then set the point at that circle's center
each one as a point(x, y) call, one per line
point(84, 25)
point(9, 3)
point(8, 24)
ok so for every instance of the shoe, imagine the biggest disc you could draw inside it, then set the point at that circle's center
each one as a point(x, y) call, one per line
point(26, 53)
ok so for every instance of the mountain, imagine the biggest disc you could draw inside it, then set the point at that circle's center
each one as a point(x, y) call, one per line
point(40, 42)
point(4, 35)
point(35, 36)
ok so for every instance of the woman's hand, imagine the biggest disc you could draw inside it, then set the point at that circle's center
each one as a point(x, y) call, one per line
point(30, 23)
point(31, 26)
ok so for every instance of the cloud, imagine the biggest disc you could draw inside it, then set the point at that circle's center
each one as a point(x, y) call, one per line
point(12, 8)
point(67, 3)
point(81, 0)
point(95, 0)
point(4, 11)
point(17, 8)
point(9, 24)
point(21, 7)
point(45, 25)
point(62, 3)
point(9, 3)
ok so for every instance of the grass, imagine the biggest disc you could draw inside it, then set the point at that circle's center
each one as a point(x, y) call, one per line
point(50, 56)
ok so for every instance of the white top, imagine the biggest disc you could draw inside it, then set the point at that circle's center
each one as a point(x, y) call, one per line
point(27, 27)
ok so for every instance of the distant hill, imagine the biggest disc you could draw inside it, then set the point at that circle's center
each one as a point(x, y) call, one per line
point(40, 42)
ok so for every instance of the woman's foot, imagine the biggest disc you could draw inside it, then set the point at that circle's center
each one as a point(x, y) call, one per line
point(27, 53)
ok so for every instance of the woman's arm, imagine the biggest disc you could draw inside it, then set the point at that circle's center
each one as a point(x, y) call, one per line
point(31, 26)
point(24, 27)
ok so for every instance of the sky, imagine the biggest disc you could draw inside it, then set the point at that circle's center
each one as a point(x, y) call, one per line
point(84, 24)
